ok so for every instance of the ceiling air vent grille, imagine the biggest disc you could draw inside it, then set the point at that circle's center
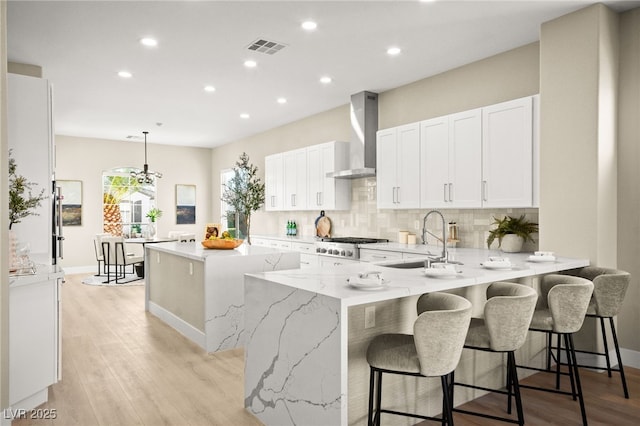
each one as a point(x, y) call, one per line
point(265, 46)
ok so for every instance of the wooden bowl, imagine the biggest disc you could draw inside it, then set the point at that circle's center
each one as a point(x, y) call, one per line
point(221, 244)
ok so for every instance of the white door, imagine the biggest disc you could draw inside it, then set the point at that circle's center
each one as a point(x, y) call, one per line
point(434, 163)
point(507, 154)
point(295, 179)
point(386, 169)
point(274, 182)
point(465, 159)
point(314, 176)
point(408, 166)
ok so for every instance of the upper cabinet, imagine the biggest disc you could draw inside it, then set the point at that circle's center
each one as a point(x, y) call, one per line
point(327, 193)
point(398, 167)
point(274, 182)
point(507, 154)
point(297, 180)
point(450, 156)
point(485, 157)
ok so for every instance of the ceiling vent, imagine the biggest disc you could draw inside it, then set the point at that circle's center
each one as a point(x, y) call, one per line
point(265, 46)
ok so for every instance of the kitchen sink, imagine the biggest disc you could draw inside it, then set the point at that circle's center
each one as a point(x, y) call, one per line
point(406, 265)
point(412, 264)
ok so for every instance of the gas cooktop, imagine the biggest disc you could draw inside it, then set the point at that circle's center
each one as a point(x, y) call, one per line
point(353, 240)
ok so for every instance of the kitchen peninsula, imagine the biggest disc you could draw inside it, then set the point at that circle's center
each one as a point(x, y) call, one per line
point(308, 330)
point(200, 292)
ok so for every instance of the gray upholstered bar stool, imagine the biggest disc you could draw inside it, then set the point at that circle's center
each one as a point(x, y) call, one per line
point(432, 351)
point(507, 316)
point(564, 305)
point(609, 289)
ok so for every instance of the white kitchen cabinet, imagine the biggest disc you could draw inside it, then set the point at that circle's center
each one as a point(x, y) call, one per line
point(308, 256)
point(398, 167)
point(274, 182)
point(295, 179)
point(327, 193)
point(34, 336)
point(507, 154)
point(451, 161)
point(30, 136)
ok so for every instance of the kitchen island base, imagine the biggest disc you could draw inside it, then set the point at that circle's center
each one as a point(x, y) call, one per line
point(305, 354)
point(200, 293)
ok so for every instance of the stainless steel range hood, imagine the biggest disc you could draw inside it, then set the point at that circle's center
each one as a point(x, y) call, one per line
point(362, 150)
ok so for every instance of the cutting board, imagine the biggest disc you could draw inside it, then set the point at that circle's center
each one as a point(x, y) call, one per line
point(323, 226)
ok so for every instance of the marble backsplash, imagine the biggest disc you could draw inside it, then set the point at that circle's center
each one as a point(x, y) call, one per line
point(366, 220)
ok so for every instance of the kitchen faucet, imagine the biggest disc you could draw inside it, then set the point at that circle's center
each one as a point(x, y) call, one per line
point(444, 234)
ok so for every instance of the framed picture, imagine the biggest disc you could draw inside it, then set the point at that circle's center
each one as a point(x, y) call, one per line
point(185, 204)
point(71, 202)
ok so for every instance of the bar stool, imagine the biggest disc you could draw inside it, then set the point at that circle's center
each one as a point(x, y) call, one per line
point(609, 289)
point(433, 350)
point(565, 300)
point(507, 316)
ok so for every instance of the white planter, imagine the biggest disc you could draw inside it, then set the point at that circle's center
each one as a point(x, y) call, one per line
point(511, 243)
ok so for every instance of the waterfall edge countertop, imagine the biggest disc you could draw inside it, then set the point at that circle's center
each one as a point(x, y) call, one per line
point(333, 282)
point(195, 250)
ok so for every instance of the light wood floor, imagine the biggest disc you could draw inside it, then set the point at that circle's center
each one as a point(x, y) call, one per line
point(123, 366)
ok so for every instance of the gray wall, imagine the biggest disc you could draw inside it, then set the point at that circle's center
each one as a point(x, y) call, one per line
point(628, 232)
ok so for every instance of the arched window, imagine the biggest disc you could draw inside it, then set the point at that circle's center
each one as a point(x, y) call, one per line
point(125, 203)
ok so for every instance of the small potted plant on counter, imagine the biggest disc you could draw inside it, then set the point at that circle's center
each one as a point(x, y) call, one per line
point(511, 233)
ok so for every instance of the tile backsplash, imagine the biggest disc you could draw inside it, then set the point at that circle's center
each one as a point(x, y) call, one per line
point(366, 220)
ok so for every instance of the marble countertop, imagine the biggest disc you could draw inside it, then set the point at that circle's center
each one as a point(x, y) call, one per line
point(333, 282)
point(195, 250)
point(42, 273)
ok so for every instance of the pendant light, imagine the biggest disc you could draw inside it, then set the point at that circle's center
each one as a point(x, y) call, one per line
point(145, 175)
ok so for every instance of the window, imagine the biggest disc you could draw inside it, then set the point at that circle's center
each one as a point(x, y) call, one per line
point(228, 215)
point(125, 203)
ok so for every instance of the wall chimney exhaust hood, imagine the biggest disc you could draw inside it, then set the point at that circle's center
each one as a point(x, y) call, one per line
point(362, 147)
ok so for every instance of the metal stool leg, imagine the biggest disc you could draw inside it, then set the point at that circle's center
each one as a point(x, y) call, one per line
point(620, 367)
point(576, 374)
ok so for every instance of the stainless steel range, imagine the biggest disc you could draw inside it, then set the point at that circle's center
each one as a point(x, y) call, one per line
point(344, 247)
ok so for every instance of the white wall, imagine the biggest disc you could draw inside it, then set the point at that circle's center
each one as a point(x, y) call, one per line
point(85, 159)
point(4, 199)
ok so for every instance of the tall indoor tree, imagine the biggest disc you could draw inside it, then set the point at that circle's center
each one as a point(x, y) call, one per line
point(244, 192)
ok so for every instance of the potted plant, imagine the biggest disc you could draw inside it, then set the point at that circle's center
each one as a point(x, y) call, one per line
point(244, 192)
point(22, 203)
point(153, 215)
point(511, 233)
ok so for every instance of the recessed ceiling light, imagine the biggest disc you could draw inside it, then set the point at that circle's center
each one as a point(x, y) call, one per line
point(309, 25)
point(394, 51)
point(282, 100)
point(244, 116)
point(125, 74)
point(148, 41)
point(209, 89)
point(325, 80)
point(250, 63)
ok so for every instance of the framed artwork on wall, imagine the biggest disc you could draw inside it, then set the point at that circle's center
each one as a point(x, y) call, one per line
point(71, 202)
point(185, 204)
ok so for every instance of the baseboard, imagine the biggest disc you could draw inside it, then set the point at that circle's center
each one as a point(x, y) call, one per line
point(183, 327)
point(630, 358)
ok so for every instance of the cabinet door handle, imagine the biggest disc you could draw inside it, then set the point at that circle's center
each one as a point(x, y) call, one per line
point(398, 194)
point(393, 195)
point(450, 191)
point(273, 201)
point(444, 192)
point(293, 199)
point(484, 190)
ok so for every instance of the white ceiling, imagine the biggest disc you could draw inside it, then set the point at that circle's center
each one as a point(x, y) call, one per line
point(81, 45)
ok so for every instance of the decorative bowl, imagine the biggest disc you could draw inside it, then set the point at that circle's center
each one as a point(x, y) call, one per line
point(221, 244)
